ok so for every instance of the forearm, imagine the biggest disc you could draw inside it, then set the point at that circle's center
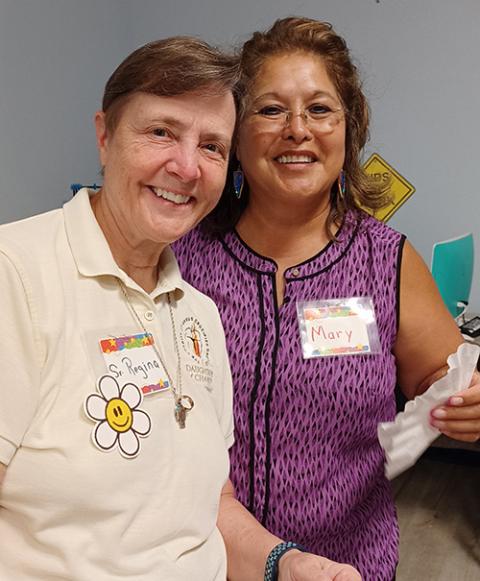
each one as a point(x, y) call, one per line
point(248, 542)
point(249, 545)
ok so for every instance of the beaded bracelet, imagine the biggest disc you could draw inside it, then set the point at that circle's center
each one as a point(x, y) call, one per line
point(273, 559)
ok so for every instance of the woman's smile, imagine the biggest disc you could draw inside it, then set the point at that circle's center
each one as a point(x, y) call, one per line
point(177, 199)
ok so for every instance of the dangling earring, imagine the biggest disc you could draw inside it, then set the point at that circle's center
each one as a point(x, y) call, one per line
point(238, 182)
point(341, 185)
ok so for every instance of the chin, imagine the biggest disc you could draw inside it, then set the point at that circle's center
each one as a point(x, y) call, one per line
point(170, 236)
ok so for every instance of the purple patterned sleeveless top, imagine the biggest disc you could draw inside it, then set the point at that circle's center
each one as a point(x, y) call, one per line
point(306, 459)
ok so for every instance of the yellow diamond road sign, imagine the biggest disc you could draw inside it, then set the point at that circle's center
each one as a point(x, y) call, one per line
point(400, 189)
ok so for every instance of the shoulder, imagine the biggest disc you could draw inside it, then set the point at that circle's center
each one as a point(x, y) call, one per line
point(370, 226)
point(374, 238)
point(195, 240)
point(197, 252)
point(416, 280)
point(200, 302)
point(31, 225)
point(29, 257)
point(413, 262)
point(30, 237)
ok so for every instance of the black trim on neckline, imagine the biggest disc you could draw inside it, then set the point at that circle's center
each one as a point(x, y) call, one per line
point(326, 268)
point(328, 245)
point(240, 261)
point(354, 219)
point(247, 247)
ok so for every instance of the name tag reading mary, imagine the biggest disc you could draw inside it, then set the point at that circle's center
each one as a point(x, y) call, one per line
point(338, 327)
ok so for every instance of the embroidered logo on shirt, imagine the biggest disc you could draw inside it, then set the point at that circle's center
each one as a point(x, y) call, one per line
point(119, 421)
point(195, 344)
point(194, 340)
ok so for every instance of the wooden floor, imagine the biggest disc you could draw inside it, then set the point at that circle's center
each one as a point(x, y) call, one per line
point(438, 503)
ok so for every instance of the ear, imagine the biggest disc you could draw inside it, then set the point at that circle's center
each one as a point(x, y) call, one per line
point(102, 138)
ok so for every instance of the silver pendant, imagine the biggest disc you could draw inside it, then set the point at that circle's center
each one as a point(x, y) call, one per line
point(183, 405)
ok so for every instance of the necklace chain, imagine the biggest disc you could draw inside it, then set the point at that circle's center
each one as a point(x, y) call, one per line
point(183, 403)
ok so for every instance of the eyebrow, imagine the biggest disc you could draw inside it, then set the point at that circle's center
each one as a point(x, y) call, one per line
point(168, 121)
point(274, 95)
point(220, 137)
point(175, 122)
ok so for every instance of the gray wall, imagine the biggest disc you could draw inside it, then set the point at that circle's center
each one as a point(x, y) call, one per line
point(55, 56)
point(419, 61)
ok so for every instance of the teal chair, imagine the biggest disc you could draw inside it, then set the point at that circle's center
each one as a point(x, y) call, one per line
point(452, 270)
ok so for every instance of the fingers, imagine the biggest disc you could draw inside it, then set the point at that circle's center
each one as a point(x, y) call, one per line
point(306, 567)
point(463, 437)
point(470, 396)
point(460, 421)
point(348, 573)
point(463, 426)
point(459, 417)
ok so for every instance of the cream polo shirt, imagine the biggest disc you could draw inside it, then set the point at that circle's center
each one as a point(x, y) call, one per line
point(68, 509)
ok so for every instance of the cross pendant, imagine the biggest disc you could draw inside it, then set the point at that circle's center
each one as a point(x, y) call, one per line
point(180, 415)
point(183, 404)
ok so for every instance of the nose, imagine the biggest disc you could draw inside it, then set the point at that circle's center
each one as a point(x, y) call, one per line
point(296, 128)
point(184, 165)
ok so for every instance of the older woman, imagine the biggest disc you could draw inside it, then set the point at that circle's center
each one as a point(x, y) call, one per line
point(115, 413)
point(307, 461)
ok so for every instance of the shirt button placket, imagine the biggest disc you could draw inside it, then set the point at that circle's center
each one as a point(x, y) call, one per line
point(149, 315)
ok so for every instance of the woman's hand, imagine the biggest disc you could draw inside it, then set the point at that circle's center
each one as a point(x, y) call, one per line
point(297, 566)
point(459, 418)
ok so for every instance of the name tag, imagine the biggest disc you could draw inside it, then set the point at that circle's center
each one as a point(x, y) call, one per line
point(338, 327)
point(133, 358)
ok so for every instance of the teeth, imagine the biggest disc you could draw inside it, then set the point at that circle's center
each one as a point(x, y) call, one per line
point(295, 159)
point(170, 196)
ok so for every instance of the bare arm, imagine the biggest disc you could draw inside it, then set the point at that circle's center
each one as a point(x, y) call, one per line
point(427, 333)
point(249, 543)
point(239, 528)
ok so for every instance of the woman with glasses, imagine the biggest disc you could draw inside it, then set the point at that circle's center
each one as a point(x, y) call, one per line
point(292, 262)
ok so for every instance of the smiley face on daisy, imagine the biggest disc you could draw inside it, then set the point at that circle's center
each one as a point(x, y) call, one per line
point(119, 421)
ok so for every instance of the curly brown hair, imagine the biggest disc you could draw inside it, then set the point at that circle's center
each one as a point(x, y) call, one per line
point(297, 34)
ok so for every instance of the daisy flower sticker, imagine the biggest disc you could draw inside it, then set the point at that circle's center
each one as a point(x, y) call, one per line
point(119, 421)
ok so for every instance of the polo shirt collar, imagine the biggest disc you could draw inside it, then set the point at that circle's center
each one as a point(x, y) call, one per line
point(92, 253)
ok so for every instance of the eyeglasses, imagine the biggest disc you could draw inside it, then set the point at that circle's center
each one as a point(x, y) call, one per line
point(319, 117)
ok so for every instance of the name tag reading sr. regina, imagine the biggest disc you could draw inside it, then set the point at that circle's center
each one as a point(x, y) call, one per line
point(338, 327)
point(133, 358)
